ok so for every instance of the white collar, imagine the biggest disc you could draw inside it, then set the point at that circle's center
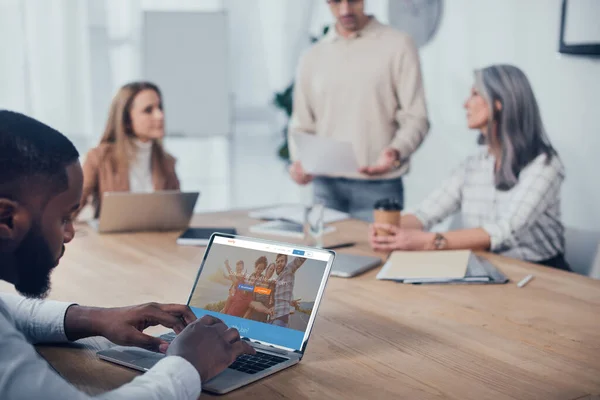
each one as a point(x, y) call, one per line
point(142, 146)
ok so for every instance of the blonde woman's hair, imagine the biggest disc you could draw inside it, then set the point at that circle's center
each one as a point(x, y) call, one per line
point(119, 130)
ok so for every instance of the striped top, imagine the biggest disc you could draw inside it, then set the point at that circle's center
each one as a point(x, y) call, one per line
point(523, 222)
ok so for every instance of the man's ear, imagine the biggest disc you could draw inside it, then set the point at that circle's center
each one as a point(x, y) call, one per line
point(15, 222)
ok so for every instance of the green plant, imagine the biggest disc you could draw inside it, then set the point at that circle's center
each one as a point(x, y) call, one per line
point(284, 101)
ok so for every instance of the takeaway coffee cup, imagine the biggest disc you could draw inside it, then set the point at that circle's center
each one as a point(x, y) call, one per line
point(387, 211)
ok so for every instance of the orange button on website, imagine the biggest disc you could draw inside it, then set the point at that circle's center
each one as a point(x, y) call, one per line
point(262, 290)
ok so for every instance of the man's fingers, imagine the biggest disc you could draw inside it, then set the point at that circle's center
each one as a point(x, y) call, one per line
point(241, 347)
point(231, 335)
point(379, 169)
point(210, 320)
point(299, 176)
point(179, 310)
point(220, 327)
point(155, 315)
point(163, 347)
point(299, 168)
point(298, 173)
point(376, 171)
point(139, 339)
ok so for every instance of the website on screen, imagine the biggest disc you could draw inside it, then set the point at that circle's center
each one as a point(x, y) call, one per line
point(266, 291)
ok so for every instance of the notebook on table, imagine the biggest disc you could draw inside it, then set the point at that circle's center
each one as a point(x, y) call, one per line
point(452, 266)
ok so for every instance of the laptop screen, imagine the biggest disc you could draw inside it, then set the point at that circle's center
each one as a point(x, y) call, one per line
point(268, 291)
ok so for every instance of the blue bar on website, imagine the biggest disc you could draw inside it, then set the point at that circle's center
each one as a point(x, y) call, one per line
point(313, 254)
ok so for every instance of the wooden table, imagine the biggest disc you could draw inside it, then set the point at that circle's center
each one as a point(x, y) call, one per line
point(372, 339)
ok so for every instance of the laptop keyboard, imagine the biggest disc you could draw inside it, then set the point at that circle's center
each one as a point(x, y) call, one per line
point(245, 363)
point(256, 363)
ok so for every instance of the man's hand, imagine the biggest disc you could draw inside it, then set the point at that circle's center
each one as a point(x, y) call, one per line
point(388, 160)
point(399, 239)
point(125, 325)
point(209, 346)
point(298, 175)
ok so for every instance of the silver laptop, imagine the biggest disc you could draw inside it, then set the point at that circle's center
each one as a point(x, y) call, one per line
point(135, 212)
point(350, 265)
point(280, 337)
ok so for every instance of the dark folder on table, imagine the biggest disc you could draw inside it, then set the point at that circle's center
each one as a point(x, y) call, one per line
point(201, 236)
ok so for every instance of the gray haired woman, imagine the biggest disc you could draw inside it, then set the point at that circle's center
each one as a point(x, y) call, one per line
point(508, 193)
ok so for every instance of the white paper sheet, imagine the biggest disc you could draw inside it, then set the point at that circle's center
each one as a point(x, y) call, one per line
point(284, 228)
point(325, 156)
point(295, 213)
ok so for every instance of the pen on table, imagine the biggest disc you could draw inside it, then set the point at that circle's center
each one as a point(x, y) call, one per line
point(525, 281)
point(341, 245)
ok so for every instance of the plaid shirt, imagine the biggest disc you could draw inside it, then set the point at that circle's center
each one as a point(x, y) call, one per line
point(284, 291)
point(523, 222)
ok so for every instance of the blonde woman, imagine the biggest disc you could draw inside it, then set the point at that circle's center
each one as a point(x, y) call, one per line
point(130, 156)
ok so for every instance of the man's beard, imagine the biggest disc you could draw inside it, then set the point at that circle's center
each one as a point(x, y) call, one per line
point(35, 262)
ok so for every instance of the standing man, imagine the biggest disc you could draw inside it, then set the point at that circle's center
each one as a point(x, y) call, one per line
point(284, 291)
point(361, 84)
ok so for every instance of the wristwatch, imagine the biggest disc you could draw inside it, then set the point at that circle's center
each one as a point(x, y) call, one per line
point(440, 242)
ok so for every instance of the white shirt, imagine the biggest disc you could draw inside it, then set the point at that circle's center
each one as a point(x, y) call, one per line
point(25, 375)
point(140, 168)
point(523, 222)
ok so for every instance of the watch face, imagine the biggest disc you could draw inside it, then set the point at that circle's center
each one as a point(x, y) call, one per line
point(419, 18)
point(440, 241)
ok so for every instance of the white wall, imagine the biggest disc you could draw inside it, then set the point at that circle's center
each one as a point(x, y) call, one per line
point(266, 38)
point(476, 33)
point(43, 62)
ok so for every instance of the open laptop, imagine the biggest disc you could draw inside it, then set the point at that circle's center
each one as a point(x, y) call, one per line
point(280, 340)
point(135, 212)
point(350, 265)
